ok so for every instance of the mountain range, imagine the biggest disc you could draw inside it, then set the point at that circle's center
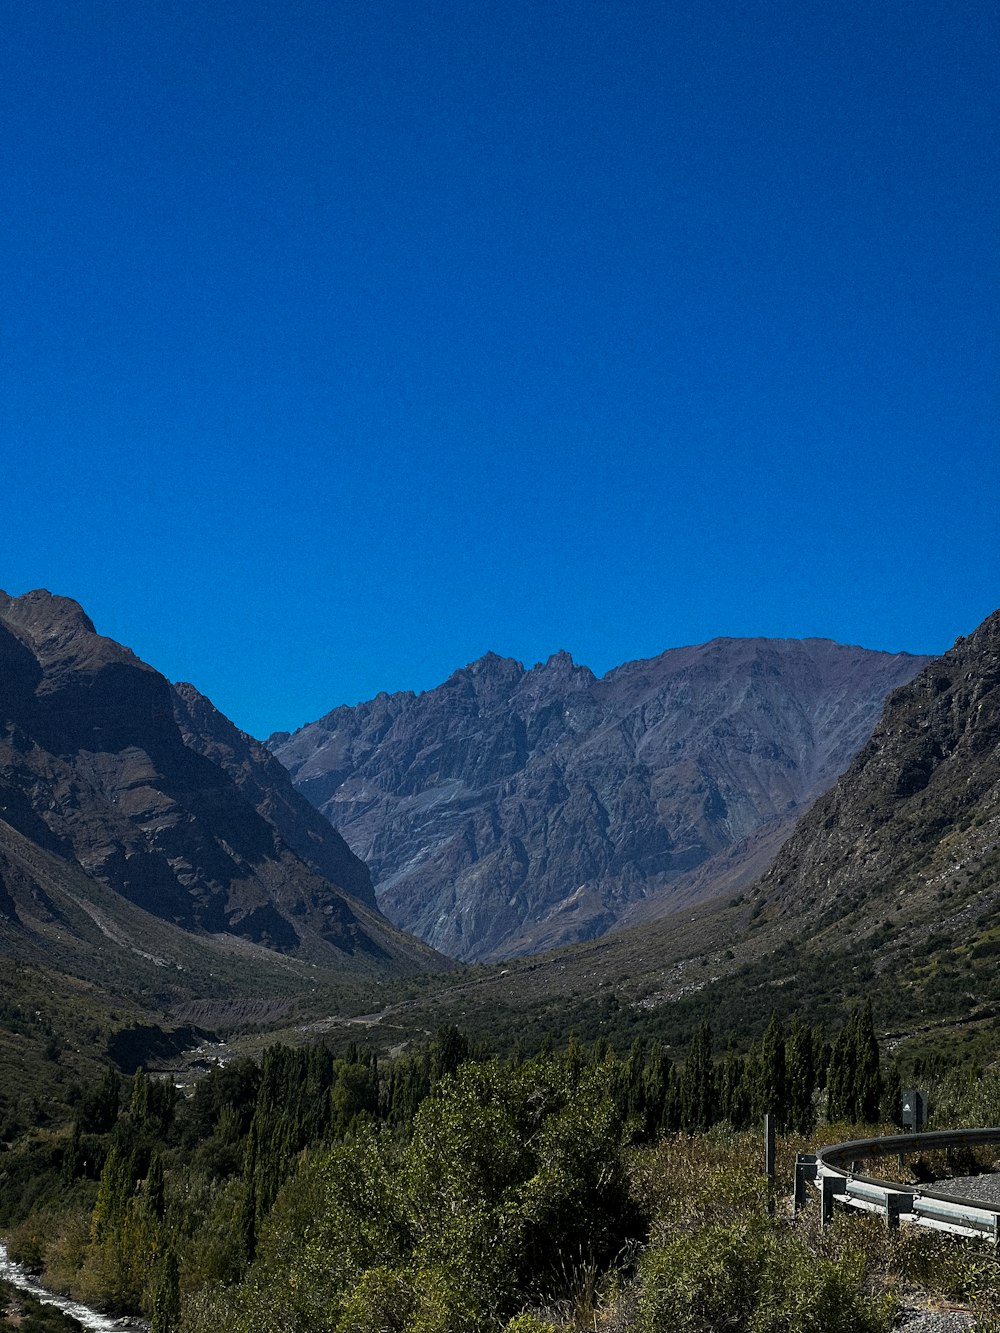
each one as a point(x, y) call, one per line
point(153, 856)
point(888, 888)
point(512, 810)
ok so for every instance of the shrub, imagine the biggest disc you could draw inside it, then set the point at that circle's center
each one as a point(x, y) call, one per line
point(752, 1275)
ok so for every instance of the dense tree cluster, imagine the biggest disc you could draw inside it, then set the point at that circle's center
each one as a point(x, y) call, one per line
point(785, 1075)
point(439, 1163)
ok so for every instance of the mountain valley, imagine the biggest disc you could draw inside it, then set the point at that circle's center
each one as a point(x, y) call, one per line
point(888, 887)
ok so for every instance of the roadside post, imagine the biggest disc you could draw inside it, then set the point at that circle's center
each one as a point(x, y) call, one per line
point(769, 1159)
point(913, 1114)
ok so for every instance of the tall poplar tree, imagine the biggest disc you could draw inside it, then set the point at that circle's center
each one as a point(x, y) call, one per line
point(854, 1080)
point(772, 1089)
point(698, 1101)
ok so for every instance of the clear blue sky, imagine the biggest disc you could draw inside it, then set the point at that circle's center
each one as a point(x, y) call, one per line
point(341, 342)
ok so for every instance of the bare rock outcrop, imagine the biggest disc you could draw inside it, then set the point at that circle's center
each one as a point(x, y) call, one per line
point(510, 810)
point(150, 792)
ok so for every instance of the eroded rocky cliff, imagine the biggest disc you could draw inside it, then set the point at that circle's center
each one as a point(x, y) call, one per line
point(510, 810)
point(149, 792)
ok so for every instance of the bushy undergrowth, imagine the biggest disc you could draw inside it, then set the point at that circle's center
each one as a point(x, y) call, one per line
point(725, 1253)
point(444, 1194)
point(506, 1172)
point(756, 1275)
point(965, 1098)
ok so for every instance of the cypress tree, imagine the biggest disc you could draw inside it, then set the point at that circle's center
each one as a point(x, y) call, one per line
point(573, 1057)
point(868, 1077)
point(839, 1077)
point(892, 1090)
point(448, 1050)
point(822, 1051)
point(854, 1080)
point(801, 1072)
point(155, 1196)
point(248, 1221)
point(772, 1091)
point(113, 1194)
point(656, 1078)
point(633, 1090)
point(167, 1297)
point(670, 1121)
point(737, 1085)
point(698, 1102)
point(73, 1161)
point(138, 1107)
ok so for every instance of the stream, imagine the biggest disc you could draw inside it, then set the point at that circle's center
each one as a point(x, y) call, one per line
point(19, 1276)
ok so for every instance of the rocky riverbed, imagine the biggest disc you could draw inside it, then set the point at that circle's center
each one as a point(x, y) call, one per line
point(93, 1320)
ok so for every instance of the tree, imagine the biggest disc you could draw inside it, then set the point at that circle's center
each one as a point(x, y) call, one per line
point(449, 1049)
point(113, 1194)
point(800, 1066)
point(167, 1297)
point(154, 1191)
point(868, 1076)
point(772, 1087)
point(854, 1081)
point(100, 1105)
point(698, 1102)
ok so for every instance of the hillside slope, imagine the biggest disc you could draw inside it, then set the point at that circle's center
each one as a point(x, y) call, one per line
point(110, 778)
point(913, 827)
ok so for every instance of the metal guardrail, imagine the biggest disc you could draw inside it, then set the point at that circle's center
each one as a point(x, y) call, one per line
point(833, 1173)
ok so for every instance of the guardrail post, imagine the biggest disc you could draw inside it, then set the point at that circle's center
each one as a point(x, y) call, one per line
point(805, 1170)
point(769, 1160)
point(830, 1187)
point(895, 1204)
point(769, 1146)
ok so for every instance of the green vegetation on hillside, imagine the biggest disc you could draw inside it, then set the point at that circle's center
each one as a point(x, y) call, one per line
point(448, 1190)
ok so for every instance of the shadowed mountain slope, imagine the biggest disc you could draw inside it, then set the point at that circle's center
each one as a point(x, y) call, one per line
point(108, 773)
point(511, 810)
point(267, 786)
point(918, 810)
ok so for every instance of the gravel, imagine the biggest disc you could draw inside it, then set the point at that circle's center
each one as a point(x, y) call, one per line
point(929, 1321)
point(984, 1188)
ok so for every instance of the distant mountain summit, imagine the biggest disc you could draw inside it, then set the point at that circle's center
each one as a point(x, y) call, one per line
point(111, 777)
point(510, 810)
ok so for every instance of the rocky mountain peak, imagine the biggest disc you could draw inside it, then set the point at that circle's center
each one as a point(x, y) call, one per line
point(43, 615)
point(561, 667)
point(560, 661)
point(150, 793)
point(490, 670)
point(506, 811)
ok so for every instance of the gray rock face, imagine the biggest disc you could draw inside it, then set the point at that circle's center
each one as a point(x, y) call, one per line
point(918, 805)
point(510, 810)
point(266, 785)
point(151, 792)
